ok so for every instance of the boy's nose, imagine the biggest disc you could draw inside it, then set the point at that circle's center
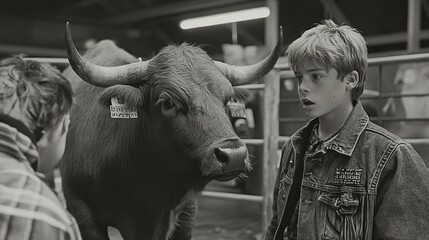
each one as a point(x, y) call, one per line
point(303, 88)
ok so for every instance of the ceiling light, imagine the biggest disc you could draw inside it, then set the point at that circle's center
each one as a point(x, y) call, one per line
point(222, 18)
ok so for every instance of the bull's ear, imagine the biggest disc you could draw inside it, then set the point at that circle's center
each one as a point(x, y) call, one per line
point(131, 96)
point(244, 95)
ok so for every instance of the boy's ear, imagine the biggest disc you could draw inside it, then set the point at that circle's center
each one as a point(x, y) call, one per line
point(63, 127)
point(65, 123)
point(352, 80)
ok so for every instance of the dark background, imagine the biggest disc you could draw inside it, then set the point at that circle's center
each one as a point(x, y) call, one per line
point(142, 27)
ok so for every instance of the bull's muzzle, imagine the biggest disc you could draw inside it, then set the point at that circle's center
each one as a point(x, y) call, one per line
point(233, 161)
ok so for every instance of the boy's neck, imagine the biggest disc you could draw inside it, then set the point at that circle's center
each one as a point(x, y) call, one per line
point(332, 122)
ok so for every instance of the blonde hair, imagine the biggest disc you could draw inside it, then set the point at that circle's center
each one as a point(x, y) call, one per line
point(34, 93)
point(330, 46)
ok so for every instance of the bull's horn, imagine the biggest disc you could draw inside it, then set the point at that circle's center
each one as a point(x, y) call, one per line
point(101, 76)
point(240, 75)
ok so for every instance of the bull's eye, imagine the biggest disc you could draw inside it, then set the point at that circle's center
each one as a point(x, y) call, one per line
point(167, 104)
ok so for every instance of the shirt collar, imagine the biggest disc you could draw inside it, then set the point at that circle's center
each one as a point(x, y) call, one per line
point(17, 141)
point(345, 141)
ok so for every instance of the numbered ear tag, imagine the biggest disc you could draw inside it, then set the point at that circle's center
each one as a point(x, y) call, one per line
point(236, 109)
point(119, 110)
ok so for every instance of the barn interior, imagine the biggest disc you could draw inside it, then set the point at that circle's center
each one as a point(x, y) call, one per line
point(396, 32)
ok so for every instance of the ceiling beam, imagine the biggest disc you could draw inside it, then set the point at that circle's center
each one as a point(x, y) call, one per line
point(73, 7)
point(168, 9)
point(334, 11)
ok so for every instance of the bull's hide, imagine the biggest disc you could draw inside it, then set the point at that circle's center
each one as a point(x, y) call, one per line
point(146, 136)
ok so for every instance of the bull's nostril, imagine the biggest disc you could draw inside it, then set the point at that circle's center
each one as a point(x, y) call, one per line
point(221, 155)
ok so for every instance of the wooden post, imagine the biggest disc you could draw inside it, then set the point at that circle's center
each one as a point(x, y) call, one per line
point(413, 32)
point(271, 117)
point(271, 134)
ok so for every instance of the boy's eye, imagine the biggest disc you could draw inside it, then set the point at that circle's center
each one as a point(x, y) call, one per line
point(299, 78)
point(317, 76)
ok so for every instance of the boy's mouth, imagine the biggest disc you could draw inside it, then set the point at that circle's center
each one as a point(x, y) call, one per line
point(307, 102)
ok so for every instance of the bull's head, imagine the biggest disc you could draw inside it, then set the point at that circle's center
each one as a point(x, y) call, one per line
point(183, 94)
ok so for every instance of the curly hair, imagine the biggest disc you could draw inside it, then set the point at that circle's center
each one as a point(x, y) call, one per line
point(329, 45)
point(33, 92)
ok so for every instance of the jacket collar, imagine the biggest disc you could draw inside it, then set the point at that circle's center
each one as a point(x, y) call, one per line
point(345, 141)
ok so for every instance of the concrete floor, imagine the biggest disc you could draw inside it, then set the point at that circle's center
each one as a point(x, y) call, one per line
point(223, 219)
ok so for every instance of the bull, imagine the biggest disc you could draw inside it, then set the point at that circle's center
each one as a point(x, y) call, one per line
point(142, 174)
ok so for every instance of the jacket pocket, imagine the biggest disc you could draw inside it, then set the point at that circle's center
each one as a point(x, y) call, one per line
point(343, 215)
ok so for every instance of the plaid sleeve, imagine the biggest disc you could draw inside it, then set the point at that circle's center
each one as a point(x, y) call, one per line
point(30, 210)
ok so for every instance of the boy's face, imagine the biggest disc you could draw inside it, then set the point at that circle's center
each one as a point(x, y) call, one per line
point(52, 146)
point(320, 91)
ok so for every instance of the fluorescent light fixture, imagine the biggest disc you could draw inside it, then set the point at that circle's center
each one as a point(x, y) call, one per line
point(222, 18)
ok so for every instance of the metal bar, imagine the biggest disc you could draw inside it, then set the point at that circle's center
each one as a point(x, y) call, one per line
point(399, 95)
point(396, 95)
point(414, 141)
point(253, 86)
point(385, 95)
point(283, 139)
point(419, 57)
point(391, 119)
point(418, 141)
point(232, 196)
point(253, 141)
point(281, 66)
point(413, 31)
point(63, 61)
point(386, 119)
point(234, 33)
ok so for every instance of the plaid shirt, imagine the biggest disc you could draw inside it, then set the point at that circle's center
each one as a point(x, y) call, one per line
point(29, 209)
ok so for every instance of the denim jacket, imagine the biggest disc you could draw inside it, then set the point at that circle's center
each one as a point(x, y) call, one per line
point(365, 184)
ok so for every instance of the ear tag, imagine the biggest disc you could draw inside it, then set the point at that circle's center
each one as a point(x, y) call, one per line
point(119, 110)
point(236, 109)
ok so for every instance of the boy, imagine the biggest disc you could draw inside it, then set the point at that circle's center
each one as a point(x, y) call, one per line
point(341, 176)
point(35, 101)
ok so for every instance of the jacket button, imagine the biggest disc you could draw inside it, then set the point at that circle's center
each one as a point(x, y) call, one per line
point(284, 196)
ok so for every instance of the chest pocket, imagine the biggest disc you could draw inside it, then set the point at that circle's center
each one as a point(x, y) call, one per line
point(342, 215)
